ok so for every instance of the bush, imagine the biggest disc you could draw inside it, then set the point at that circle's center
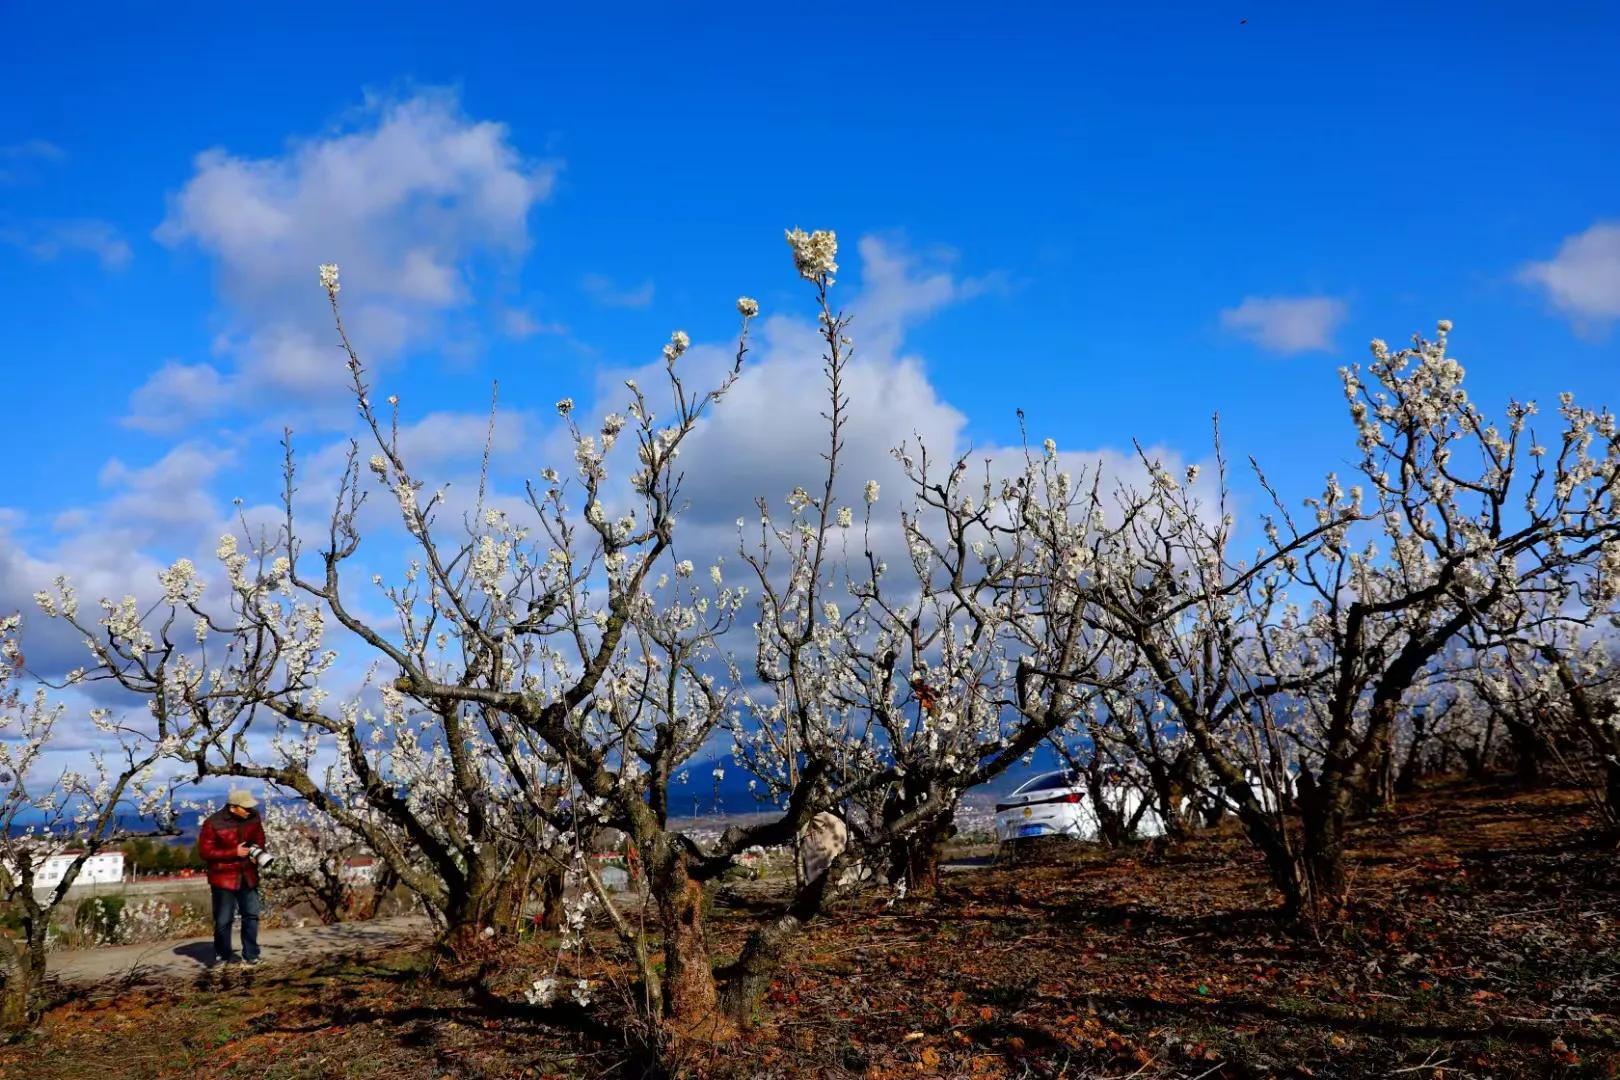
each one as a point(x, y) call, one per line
point(99, 917)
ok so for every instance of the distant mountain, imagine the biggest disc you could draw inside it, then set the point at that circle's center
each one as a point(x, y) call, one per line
point(701, 795)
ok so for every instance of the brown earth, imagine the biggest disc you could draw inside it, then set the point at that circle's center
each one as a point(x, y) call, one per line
point(1484, 942)
point(157, 962)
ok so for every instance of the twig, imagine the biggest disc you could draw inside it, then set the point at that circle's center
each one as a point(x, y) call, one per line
point(1426, 1063)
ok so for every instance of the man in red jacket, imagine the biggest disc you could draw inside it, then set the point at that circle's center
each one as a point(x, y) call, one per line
point(233, 877)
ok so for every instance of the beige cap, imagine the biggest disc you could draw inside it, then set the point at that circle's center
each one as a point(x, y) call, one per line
point(242, 799)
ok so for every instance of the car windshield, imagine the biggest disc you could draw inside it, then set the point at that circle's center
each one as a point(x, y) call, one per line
point(1054, 781)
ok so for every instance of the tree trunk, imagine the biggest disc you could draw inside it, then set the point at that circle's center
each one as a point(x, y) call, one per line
point(1167, 793)
point(1527, 751)
point(1282, 863)
point(1479, 760)
point(1325, 812)
point(332, 896)
point(747, 980)
point(1412, 767)
point(1377, 787)
point(691, 999)
point(915, 859)
point(551, 899)
point(485, 908)
point(385, 880)
point(1110, 823)
point(22, 981)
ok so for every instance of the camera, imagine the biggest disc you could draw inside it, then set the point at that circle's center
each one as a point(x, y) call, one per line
point(261, 858)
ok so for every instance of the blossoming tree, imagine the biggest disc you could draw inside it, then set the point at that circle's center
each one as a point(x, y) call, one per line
point(543, 672)
point(74, 814)
point(1324, 637)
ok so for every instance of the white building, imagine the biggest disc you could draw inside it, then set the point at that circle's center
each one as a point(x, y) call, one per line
point(358, 870)
point(106, 868)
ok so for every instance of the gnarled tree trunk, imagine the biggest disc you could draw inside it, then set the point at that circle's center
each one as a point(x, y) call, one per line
point(915, 858)
point(747, 980)
point(1325, 806)
point(484, 906)
point(22, 978)
point(691, 998)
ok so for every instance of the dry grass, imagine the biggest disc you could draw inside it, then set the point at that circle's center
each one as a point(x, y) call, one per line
point(1485, 942)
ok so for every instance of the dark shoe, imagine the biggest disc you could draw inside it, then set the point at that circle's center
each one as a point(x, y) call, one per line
point(254, 962)
point(226, 961)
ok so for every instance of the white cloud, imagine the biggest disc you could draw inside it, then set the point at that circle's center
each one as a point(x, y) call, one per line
point(1287, 324)
point(97, 569)
point(603, 291)
point(1583, 279)
point(768, 434)
point(899, 287)
point(32, 150)
point(155, 502)
point(113, 545)
point(411, 202)
point(459, 437)
point(20, 161)
point(175, 395)
point(521, 323)
point(52, 240)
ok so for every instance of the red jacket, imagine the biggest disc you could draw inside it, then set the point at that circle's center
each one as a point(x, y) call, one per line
point(217, 843)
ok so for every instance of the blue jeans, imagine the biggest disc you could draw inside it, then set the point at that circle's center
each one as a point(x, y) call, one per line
point(227, 902)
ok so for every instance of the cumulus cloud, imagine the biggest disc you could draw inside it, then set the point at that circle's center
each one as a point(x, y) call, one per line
point(112, 546)
point(1287, 324)
point(411, 200)
point(603, 291)
point(49, 241)
point(52, 647)
point(769, 434)
point(1583, 279)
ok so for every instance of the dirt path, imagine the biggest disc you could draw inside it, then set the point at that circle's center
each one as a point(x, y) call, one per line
point(179, 959)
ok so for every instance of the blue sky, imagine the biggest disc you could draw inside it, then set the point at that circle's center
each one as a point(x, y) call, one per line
point(1121, 220)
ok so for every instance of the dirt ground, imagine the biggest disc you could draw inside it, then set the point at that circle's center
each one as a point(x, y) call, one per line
point(1485, 942)
point(183, 959)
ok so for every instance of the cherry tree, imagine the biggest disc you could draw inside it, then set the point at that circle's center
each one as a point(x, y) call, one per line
point(316, 860)
point(1473, 516)
point(1216, 648)
point(544, 669)
point(72, 813)
point(979, 649)
point(1550, 662)
point(903, 688)
point(490, 721)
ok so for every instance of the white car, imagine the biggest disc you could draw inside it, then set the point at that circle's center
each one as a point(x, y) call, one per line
point(1058, 804)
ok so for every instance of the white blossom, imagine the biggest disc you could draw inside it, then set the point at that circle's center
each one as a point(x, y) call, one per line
point(814, 254)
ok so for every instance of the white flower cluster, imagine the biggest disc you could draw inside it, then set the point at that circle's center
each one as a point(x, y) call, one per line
point(678, 344)
point(180, 583)
point(814, 254)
